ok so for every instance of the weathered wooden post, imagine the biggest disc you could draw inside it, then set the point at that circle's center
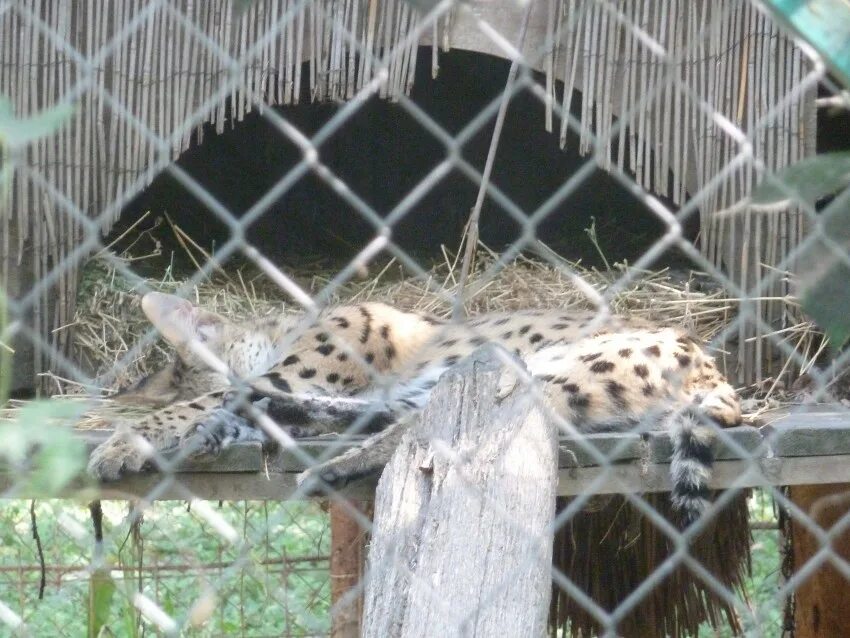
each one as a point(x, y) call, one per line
point(348, 548)
point(821, 603)
point(461, 543)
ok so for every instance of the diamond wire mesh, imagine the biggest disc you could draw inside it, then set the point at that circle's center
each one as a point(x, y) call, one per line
point(215, 564)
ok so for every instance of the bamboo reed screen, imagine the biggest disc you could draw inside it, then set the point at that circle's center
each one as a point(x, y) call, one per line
point(141, 70)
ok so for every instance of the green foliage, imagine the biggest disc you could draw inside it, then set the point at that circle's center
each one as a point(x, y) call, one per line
point(824, 267)
point(40, 444)
point(255, 592)
point(423, 6)
point(17, 132)
point(101, 593)
point(824, 24)
point(810, 179)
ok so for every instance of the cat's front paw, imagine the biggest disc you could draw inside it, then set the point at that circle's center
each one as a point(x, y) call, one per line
point(219, 429)
point(321, 479)
point(118, 456)
point(338, 472)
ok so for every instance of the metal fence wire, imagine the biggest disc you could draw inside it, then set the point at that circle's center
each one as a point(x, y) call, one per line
point(679, 108)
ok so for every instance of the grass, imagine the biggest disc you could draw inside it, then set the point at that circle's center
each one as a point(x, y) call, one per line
point(272, 582)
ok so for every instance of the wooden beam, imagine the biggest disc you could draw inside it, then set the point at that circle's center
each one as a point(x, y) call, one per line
point(807, 446)
point(461, 541)
point(821, 603)
point(347, 566)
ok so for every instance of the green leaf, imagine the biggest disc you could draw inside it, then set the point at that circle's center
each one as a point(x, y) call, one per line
point(827, 301)
point(423, 6)
point(101, 591)
point(241, 6)
point(17, 132)
point(42, 433)
point(823, 274)
point(57, 462)
point(824, 24)
point(810, 179)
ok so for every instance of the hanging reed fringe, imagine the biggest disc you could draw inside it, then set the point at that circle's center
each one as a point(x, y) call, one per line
point(725, 56)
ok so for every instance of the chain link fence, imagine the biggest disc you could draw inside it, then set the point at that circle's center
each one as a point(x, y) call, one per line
point(685, 106)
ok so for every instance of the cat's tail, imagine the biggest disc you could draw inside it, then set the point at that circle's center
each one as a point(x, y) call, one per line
point(691, 464)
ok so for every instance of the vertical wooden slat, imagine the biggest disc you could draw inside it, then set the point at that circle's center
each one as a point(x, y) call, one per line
point(821, 604)
point(347, 563)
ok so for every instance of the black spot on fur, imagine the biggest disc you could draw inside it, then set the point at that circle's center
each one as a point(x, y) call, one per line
point(625, 353)
point(535, 337)
point(507, 335)
point(502, 321)
point(648, 390)
point(291, 360)
point(285, 411)
point(546, 377)
point(385, 332)
point(342, 357)
point(653, 351)
point(602, 366)
point(342, 322)
point(333, 377)
point(307, 373)
point(684, 360)
point(389, 352)
point(590, 357)
point(279, 382)
point(370, 357)
point(477, 341)
point(615, 391)
point(448, 343)
point(322, 337)
point(325, 349)
point(367, 325)
point(560, 326)
point(196, 406)
point(572, 388)
point(450, 361)
point(523, 330)
point(641, 370)
point(348, 381)
point(579, 401)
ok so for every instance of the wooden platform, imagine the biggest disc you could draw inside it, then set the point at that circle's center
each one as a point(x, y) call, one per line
point(808, 445)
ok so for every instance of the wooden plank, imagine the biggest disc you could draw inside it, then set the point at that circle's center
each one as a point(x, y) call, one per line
point(809, 445)
point(619, 478)
point(813, 431)
point(618, 447)
point(821, 604)
point(347, 566)
point(653, 447)
point(464, 548)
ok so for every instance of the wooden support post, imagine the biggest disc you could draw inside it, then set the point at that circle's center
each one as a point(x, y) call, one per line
point(821, 605)
point(461, 543)
point(348, 554)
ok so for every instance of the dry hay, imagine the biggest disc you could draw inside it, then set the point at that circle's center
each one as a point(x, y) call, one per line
point(607, 552)
point(109, 322)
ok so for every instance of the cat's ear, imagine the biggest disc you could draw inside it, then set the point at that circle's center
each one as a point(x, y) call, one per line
point(179, 321)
